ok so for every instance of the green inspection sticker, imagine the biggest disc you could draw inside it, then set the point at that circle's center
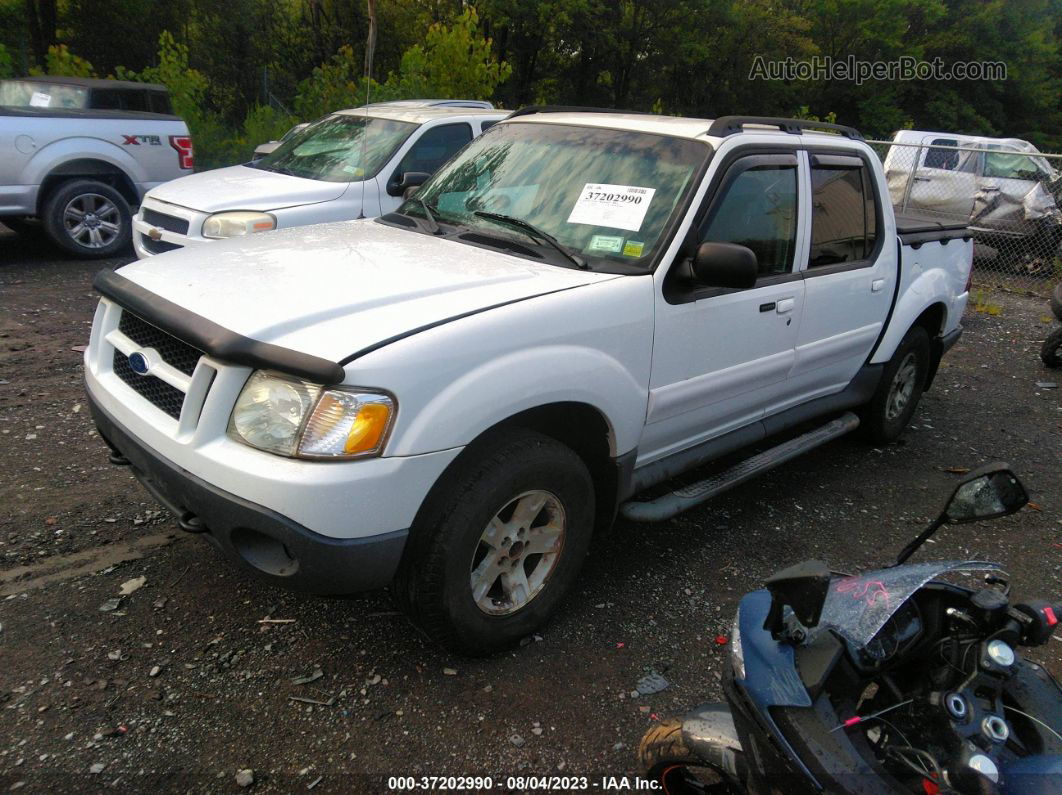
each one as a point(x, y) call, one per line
point(606, 243)
point(633, 248)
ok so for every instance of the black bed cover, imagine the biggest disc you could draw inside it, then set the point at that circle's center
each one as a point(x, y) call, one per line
point(915, 228)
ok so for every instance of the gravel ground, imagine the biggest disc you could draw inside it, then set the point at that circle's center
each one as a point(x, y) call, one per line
point(181, 683)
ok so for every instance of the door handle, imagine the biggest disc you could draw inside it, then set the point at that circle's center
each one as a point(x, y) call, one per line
point(877, 285)
point(923, 179)
point(784, 306)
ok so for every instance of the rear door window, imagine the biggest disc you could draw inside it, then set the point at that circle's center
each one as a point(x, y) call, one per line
point(843, 211)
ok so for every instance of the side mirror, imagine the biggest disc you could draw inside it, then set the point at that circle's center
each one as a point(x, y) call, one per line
point(988, 492)
point(399, 184)
point(803, 588)
point(725, 265)
point(985, 494)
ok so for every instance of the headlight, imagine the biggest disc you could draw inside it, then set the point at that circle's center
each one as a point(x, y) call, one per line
point(236, 224)
point(291, 417)
point(737, 654)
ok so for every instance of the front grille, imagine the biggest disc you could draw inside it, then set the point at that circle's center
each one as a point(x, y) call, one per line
point(158, 392)
point(168, 222)
point(174, 352)
point(158, 246)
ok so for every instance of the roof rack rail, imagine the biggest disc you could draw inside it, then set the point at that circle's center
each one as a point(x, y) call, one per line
point(532, 109)
point(729, 125)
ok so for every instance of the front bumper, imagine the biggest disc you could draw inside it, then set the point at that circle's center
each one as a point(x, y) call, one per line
point(258, 539)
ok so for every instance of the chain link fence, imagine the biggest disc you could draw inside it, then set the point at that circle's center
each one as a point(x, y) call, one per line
point(1011, 199)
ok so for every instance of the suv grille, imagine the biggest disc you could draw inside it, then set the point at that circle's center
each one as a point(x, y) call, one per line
point(168, 222)
point(158, 392)
point(174, 352)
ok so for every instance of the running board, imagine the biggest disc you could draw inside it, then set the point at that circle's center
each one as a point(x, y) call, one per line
point(687, 497)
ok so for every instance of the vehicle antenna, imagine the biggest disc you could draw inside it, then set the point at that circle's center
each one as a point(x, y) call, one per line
point(370, 48)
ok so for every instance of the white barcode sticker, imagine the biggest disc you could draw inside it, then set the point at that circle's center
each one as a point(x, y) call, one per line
point(40, 100)
point(614, 206)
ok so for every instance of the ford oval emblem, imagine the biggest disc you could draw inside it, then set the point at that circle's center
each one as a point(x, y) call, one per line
point(138, 363)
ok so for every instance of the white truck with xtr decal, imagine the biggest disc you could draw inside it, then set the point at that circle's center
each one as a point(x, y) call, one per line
point(78, 154)
point(453, 397)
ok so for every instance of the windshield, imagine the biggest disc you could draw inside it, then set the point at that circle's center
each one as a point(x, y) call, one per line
point(857, 607)
point(32, 94)
point(339, 148)
point(606, 194)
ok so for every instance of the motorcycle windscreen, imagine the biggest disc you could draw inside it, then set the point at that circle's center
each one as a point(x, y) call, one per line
point(858, 606)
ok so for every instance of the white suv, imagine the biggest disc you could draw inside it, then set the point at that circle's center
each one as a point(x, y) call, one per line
point(574, 309)
point(350, 164)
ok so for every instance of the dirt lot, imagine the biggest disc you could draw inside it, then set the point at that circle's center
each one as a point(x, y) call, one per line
point(181, 684)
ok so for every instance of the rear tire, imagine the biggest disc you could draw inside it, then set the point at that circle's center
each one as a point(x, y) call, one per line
point(1051, 352)
point(88, 219)
point(473, 578)
point(665, 758)
point(901, 387)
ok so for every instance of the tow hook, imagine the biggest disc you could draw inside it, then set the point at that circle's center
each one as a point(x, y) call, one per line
point(191, 523)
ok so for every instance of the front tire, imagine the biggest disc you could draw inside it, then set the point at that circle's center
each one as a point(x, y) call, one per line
point(498, 543)
point(88, 219)
point(665, 758)
point(901, 387)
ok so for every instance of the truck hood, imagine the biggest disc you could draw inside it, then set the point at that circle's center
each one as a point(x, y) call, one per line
point(245, 188)
point(331, 290)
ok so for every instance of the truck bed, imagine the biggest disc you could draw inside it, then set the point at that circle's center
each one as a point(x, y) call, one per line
point(915, 228)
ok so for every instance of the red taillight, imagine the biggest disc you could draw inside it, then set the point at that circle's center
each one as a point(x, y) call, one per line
point(185, 154)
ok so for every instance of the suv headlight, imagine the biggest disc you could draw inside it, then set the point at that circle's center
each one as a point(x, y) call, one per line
point(290, 417)
point(237, 224)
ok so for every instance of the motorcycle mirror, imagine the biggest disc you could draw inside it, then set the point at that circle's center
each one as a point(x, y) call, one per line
point(803, 587)
point(986, 493)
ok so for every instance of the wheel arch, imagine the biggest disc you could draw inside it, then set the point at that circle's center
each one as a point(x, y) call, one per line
point(88, 168)
point(580, 426)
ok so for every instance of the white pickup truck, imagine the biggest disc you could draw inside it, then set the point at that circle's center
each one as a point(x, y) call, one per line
point(78, 154)
point(353, 163)
point(579, 306)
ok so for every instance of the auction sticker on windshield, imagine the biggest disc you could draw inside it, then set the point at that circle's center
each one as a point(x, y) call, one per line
point(614, 206)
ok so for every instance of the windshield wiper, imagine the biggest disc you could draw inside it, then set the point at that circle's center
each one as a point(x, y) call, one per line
point(428, 213)
point(533, 231)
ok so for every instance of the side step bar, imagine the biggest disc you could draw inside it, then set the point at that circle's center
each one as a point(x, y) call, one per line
point(687, 497)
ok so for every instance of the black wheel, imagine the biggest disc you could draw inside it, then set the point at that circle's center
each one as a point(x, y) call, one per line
point(665, 759)
point(87, 219)
point(902, 383)
point(1051, 352)
point(498, 543)
point(1056, 298)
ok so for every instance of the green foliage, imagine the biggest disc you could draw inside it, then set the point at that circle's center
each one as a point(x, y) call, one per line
point(61, 62)
point(337, 84)
point(455, 61)
point(7, 66)
point(188, 87)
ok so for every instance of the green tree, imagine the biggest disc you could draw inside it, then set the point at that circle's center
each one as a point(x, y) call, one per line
point(7, 66)
point(455, 61)
point(60, 61)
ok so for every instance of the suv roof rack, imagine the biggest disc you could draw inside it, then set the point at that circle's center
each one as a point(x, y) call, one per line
point(532, 109)
point(729, 125)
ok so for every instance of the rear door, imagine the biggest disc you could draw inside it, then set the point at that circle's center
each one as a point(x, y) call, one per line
point(849, 274)
point(720, 356)
point(945, 181)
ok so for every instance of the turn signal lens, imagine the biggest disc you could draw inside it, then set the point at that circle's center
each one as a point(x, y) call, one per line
point(347, 425)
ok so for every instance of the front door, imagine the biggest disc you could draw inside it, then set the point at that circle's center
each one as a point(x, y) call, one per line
point(720, 356)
